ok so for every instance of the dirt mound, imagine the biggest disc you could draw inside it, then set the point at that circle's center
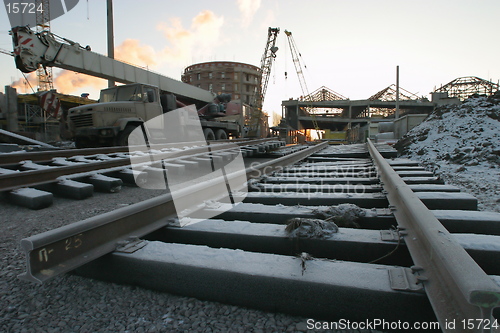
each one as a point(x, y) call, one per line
point(466, 134)
point(461, 143)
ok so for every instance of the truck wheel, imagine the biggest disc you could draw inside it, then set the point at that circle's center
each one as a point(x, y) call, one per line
point(125, 139)
point(220, 134)
point(81, 143)
point(209, 134)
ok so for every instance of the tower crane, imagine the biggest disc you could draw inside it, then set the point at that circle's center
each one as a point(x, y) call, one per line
point(266, 63)
point(300, 74)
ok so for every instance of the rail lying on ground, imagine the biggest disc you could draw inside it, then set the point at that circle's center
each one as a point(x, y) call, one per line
point(63, 249)
point(48, 155)
point(457, 287)
point(54, 172)
point(238, 259)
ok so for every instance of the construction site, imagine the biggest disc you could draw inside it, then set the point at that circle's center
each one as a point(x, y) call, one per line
point(229, 97)
point(192, 204)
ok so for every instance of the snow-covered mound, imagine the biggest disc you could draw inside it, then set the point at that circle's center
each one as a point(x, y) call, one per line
point(461, 143)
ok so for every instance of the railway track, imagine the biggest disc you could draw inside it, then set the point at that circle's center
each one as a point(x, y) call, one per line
point(405, 248)
point(32, 179)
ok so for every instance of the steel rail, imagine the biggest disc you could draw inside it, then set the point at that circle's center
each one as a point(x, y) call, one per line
point(63, 249)
point(16, 180)
point(47, 156)
point(457, 288)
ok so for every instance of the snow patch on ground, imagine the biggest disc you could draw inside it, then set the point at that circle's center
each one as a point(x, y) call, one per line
point(461, 144)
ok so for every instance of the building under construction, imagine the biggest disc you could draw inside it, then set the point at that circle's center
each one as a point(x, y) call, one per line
point(235, 78)
point(240, 80)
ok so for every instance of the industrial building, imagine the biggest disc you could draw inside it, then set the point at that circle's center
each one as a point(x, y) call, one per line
point(238, 79)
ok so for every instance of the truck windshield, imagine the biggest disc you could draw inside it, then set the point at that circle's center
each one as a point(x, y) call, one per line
point(122, 93)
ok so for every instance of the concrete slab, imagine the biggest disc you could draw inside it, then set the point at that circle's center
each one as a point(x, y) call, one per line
point(174, 168)
point(189, 165)
point(9, 147)
point(319, 180)
point(104, 183)
point(73, 190)
point(324, 289)
point(455, 221)
point(205, 163)
point(469, 221)
point(329, 168)
point(279, 214)
point(30, 198)
point(422, 180)
point(448, 200)
point(402, 162)
point(128, 176)
point(332, 174)
point(356, 245)
point(416, 173)
point(311, 188)
point(433, 188)
point(218, 161)
point(4, 171)
point(433, 200)
point(364, 200)
point(408, 168)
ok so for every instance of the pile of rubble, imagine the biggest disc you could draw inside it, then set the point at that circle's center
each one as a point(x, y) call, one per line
point(461, 143)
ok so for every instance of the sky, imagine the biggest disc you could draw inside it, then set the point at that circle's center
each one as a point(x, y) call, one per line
point(350, 46)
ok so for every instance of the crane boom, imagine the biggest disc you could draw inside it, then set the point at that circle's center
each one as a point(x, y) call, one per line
point(267, 60)
point(300, 74)
point(33, 49)
point(254, 125)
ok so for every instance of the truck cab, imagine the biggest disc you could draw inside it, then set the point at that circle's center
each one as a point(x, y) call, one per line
point(120, 109)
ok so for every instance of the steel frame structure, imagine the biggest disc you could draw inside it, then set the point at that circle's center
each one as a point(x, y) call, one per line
point(389, 94)
point(465, 86)
point(325, 94)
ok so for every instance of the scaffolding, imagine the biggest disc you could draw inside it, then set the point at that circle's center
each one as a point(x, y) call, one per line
point(463, 87)
point(389, 94)
point(325, 94)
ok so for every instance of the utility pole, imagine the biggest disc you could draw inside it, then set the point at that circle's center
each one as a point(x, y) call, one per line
point(397, 92)
point(111, 43)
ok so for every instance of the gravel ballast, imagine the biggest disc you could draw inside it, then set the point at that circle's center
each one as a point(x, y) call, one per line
point(71, 303)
